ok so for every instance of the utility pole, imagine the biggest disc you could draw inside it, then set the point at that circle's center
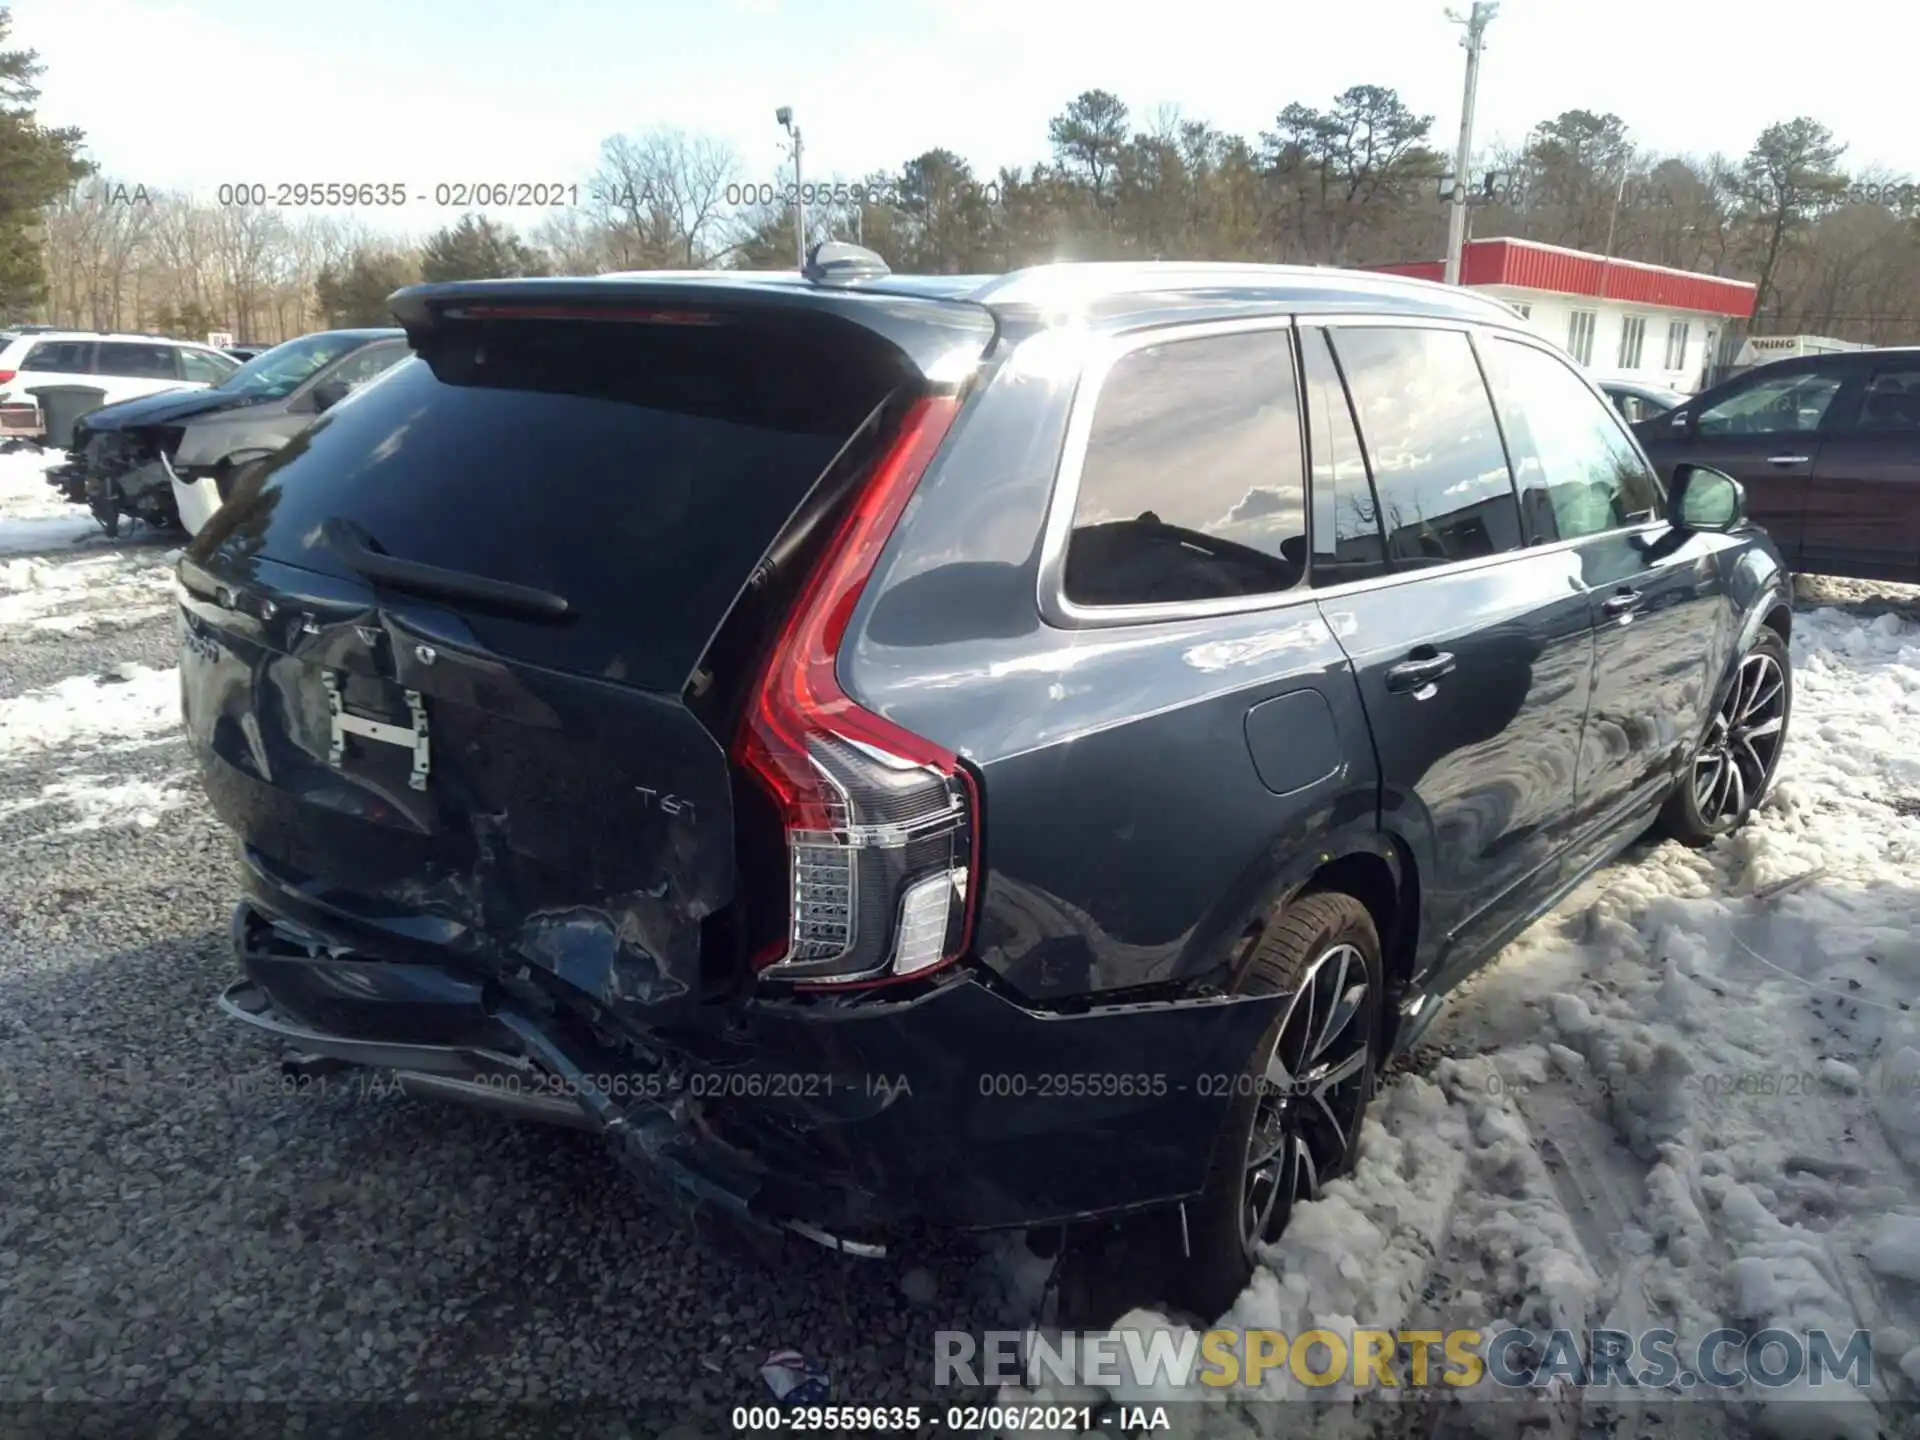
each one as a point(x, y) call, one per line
point(785, 116)
point(1476, 23)
point(1613, 219)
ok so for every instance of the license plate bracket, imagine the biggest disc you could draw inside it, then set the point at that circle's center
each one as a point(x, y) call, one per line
point(343, 722)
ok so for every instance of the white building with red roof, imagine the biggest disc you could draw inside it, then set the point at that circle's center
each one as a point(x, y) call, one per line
point(1621, 319)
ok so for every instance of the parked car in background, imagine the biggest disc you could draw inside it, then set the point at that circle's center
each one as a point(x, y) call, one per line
point(1640, 402)
point(122, 367)
point(884, 756)
point(1828, 450)
point(244, 353)
point(170, 459)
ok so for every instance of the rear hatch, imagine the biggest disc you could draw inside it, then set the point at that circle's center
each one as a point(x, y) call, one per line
point(449, 659)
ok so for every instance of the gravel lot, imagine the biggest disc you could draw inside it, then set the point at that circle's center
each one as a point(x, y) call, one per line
point(175, 1227)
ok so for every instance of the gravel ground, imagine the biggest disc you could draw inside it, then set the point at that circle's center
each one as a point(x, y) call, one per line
point(175, 1227)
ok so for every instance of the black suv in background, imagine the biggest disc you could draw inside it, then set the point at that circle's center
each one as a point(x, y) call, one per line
point(1828, 448)
point(990, 752)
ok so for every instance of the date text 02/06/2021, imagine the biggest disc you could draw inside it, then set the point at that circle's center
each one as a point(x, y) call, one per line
point(959, 1419)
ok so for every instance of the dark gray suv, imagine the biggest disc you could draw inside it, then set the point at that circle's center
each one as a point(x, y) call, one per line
point(1011, 751)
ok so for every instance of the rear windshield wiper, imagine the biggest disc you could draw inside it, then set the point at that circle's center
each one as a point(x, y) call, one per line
point(364, 555)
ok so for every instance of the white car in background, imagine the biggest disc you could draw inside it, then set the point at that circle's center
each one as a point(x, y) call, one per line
point(125, 367)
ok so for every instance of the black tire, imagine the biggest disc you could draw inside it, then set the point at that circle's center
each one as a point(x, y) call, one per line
point(1734, 765)
point(1315, 933)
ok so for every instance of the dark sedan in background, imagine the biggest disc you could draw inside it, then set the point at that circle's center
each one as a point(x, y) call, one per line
point(1828, 448)
point(1637, 402)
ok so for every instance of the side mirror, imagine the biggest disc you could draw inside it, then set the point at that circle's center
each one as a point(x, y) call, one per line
point(329, 393)
point(1706, 499)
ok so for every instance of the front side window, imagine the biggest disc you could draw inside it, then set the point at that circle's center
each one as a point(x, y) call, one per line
point(275, 374)
point(1428, 426)
point(1572, 461)
point(373, 361)
point(1192, 486)
point(1774, 405)
point(204, 367)
point(1580, 336)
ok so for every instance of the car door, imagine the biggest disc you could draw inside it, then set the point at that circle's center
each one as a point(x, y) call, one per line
point(1764, 429)
point(128, 369)
point(1472, 647)
point(1660, 634)
point(1863, 507)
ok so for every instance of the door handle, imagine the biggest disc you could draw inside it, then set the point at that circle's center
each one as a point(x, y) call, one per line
point(1625, 602)
point(1788, 459)
point(1417, 674)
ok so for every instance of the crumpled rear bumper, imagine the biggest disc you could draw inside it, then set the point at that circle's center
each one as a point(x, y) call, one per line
point(848, 1118)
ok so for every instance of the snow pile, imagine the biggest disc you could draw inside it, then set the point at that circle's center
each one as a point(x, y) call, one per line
point(134, 703)
point(33, 516)
point(98, 590)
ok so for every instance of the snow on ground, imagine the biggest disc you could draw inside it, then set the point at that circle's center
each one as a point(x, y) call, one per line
point(130, 704)
point(32, 515)
point(1689, 1098)
point(99, 802)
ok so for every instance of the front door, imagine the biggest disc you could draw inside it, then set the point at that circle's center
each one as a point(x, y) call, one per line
point(1764, 430)
point(1473, 649)
point(1660, 637)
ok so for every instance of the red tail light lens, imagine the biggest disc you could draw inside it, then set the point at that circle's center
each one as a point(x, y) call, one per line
point(881, 824)
point(6, 375)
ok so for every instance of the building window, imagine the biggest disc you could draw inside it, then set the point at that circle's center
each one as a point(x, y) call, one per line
point(1580, 336)
point(1676, 345)
point(1522, 308)
point(1633, 335)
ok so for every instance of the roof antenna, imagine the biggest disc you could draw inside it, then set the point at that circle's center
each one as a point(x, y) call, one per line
point(835, 262)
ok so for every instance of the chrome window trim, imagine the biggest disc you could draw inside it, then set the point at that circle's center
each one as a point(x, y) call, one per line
point(1057, 610)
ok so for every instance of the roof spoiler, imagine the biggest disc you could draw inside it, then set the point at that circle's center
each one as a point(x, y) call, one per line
point(942, 340)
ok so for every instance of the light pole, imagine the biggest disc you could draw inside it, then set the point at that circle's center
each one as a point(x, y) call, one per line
point(1476, 23)
point(785, 116)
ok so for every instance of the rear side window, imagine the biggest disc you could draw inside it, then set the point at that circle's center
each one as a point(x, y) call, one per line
point(638, 471)
point(138, 362)
point(1192, 486)
point(1575, 466)
point(68, 357)
point(1347, 540)
point(1438, 463)
point(1891, 402)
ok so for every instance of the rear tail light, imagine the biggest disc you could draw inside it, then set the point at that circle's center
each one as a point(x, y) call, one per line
point(7, 375)
point(881, 825)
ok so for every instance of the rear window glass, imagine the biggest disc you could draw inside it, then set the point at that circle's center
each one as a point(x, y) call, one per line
point(639, 472)
point(71, 357)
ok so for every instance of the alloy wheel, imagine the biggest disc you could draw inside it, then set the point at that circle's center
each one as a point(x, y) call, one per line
point(1309, 1094)
point(1742, 743)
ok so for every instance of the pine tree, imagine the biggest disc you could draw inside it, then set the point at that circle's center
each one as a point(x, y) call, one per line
point(477, 249)
point(37, 165)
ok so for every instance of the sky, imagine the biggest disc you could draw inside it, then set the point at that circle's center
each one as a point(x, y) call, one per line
point(191, 94)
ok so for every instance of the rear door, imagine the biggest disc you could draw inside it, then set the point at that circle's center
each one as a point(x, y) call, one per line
point(439, 648)
point(1473, 648)
point(55, 362)
point(1863, 507)
point(1765, 430)
point(131, 368)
